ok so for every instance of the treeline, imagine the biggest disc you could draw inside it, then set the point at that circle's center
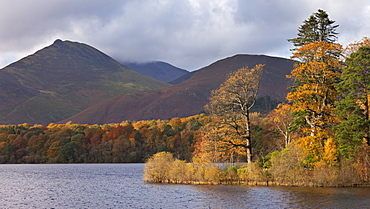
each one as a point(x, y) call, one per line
point(126, 142)
point(110, 143)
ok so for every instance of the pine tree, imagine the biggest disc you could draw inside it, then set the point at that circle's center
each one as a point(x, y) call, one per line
point(354, 108)
point(318, 27)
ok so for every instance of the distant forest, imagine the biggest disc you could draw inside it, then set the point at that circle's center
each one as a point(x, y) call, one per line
point(126, 142)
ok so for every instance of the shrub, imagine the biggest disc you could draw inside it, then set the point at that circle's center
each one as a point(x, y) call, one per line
point(286, 166)
point(178, 172)
point(157, 167)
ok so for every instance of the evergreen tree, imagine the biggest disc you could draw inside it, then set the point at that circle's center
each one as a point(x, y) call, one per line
point(318, 27)
point(354, 108)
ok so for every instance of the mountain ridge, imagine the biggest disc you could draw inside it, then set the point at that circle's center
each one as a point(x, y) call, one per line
point(189, 97)
point(159, 70)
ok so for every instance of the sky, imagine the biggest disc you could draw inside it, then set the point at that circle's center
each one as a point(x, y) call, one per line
point(189, 34)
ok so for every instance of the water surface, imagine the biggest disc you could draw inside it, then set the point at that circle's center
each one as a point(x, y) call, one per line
point(121, 186)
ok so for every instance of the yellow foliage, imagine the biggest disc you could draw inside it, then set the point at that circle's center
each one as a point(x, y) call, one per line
point(178, 171)
point(311, 146)
point(232, 102)
point(282, 118)
point(330, 154)
point(316, 75)
point(157, 167)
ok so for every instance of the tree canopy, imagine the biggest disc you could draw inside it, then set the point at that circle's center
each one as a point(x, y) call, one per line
point(354, 107)
point(232, 103)
point(318, 27)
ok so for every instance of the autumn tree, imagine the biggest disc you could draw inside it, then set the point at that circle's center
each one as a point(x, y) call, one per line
point(232, 103)
point(313, 96)
point(354, 107)
point(282, 119)
point(318, 27)
point(353, 47)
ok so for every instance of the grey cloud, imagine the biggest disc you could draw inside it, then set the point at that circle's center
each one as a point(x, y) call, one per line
point(187, 33)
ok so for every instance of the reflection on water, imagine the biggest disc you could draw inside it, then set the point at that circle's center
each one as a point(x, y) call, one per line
point(121, 186)
point(286, 197)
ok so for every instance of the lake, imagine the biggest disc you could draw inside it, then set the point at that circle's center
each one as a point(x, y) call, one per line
point(121, 186)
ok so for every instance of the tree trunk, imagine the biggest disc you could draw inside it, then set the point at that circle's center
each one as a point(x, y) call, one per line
point(248, 137)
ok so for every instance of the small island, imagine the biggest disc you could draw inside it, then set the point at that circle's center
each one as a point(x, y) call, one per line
point(323, 128)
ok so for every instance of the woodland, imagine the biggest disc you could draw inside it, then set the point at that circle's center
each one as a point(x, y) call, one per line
point(319, 137)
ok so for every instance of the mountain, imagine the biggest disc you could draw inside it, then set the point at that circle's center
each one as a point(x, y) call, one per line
point(189, 97)
point(182, 78)
point(161, 71)
point(61, 80)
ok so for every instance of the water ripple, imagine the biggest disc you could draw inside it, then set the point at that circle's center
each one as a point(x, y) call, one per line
point(121, 186)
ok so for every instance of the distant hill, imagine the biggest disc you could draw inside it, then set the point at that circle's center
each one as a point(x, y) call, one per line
point(61, 80)
point(161, 71)
point(182, 78)
point(189, 97)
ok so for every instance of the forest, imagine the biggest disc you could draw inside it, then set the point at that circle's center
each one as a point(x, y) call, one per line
point(126, 142)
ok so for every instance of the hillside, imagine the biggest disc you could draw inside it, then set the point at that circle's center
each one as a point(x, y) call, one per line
point(182, 78)
point(161, 71)
point(189, 97)
point(61, 80)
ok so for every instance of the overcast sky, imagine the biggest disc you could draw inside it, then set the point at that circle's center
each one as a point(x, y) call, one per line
point(189, 34)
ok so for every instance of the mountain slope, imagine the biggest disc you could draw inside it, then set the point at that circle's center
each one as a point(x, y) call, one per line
point(182, 78)
point(161, 71)
point(190, 96)
point(61, 80)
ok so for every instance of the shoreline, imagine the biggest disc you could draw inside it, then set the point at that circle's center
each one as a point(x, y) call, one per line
point(266, 184)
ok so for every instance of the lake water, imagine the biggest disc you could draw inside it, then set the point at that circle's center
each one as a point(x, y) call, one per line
point(121, 186)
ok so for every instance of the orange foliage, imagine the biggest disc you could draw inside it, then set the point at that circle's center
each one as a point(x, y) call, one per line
point(353, 47)
point(313, 98)
point(282, 118)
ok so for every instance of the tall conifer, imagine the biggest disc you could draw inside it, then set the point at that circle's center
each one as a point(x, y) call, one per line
point(354, 108)
point(318, 27)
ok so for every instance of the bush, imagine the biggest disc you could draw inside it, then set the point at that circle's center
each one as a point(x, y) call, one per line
point(162, 167)
point(286, 166)
point(178, 172)
point(157, 167)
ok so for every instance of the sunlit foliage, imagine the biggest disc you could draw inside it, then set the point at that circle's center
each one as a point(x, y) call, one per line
point(313, 97)
point(81, 143)
point(231, 105)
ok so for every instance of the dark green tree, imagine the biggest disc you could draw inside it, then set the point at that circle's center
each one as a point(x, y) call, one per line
point(354, 107)
point(318, 27)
